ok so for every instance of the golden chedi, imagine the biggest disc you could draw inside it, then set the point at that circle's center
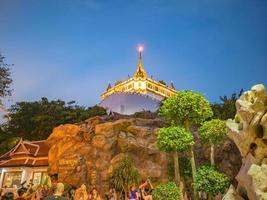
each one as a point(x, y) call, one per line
point(137, 93)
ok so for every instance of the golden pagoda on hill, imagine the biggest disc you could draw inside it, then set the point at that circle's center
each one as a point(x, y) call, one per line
point(138, 93)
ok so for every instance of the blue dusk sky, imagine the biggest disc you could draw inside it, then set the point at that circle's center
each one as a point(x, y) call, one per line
point(72, 49)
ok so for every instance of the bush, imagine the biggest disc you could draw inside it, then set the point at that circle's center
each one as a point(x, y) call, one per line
point(124, 175)
point(211, 181)
point(212, 131)
point(168, 191)
point(173, 138)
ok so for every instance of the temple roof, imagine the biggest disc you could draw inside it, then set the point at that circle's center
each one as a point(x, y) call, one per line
point(141, 83)
point(140, 72)
point(26, 153)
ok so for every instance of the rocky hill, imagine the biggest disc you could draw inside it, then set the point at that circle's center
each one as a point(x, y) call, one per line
point(90, 150)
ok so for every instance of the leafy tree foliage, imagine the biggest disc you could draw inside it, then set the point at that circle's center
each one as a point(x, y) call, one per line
point(7, 142)
point(211, 181)
point(5, 79)
point(36, 120)
point(212, 132)
point(174, 139)
point(124, 176)
point(226, 109)
point(186, 106)
point(166, 191)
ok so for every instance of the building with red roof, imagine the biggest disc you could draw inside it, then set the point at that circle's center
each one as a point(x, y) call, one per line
point(26, 162)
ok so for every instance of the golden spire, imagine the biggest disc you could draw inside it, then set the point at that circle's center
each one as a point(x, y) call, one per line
point(140, 72)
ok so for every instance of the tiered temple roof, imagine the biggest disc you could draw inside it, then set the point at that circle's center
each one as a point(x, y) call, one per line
point(25, 153)
point(142, 84)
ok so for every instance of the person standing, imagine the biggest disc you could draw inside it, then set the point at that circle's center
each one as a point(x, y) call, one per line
point(58, 193)
point(81, 193)
point(132, 195)
point(111, 195)
point(8, 196)
point(95, 195)
point(146, 190)
point(21, 194)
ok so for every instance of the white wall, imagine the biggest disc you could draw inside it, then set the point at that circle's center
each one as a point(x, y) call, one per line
point(27, 173)
point(127, 103)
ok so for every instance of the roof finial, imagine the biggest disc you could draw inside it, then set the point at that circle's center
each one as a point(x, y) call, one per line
point(140, 49)
point(172, 86)
point(140, 72)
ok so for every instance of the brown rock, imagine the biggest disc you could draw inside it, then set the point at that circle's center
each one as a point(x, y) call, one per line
point(90, 150)
point(99, 141)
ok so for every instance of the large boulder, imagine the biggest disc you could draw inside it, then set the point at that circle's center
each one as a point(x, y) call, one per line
point(87, 152)
point(249, 132)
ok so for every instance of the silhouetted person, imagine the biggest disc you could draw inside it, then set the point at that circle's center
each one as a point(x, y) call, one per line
point(57, 195)
point(8, 196)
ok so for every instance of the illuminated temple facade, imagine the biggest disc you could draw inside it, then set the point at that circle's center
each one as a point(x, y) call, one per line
point(138, 93)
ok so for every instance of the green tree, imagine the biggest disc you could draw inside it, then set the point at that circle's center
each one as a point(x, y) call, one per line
point(36, 120)
point(212, 132)
point(6, 142)
point(211, 181)
point(186, 108)
point(174, 139)
point(226, 108)
point(124, 176)
point(168, 191)
point(5, 79)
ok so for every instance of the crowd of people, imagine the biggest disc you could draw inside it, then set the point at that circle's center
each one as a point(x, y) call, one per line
point(58, 192)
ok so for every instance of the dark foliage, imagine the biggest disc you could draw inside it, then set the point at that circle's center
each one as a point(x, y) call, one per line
point(226, 109)
point(36, 120)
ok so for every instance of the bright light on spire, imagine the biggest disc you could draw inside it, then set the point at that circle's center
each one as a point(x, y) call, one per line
point(140, 48)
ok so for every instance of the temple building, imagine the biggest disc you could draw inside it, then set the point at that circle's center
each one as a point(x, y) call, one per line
point(26, 162)
point(137, 93)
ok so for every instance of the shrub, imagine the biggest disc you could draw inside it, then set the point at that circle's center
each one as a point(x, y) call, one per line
point(210, 180)
point(168, 191)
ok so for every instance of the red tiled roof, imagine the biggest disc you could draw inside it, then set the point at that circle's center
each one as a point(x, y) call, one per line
point(24, 162)
point(32, 149)
point(13, 162)
point(41, 162)
point(26, 153)
point(44, 147)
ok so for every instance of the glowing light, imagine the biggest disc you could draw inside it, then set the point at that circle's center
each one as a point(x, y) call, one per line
point(140, 48)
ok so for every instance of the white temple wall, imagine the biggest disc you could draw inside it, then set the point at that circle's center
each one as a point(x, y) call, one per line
point(129, 103)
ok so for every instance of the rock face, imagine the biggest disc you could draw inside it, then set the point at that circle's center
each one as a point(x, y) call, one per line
point(249, 132)
point(89, 151)
point(227, 158)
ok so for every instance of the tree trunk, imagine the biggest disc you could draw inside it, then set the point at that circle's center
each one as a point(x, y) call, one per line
point(183, 189)
point(210, 197)
point(176, 168)
point(193, 163)
point(177, 172)
point(212, 162)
